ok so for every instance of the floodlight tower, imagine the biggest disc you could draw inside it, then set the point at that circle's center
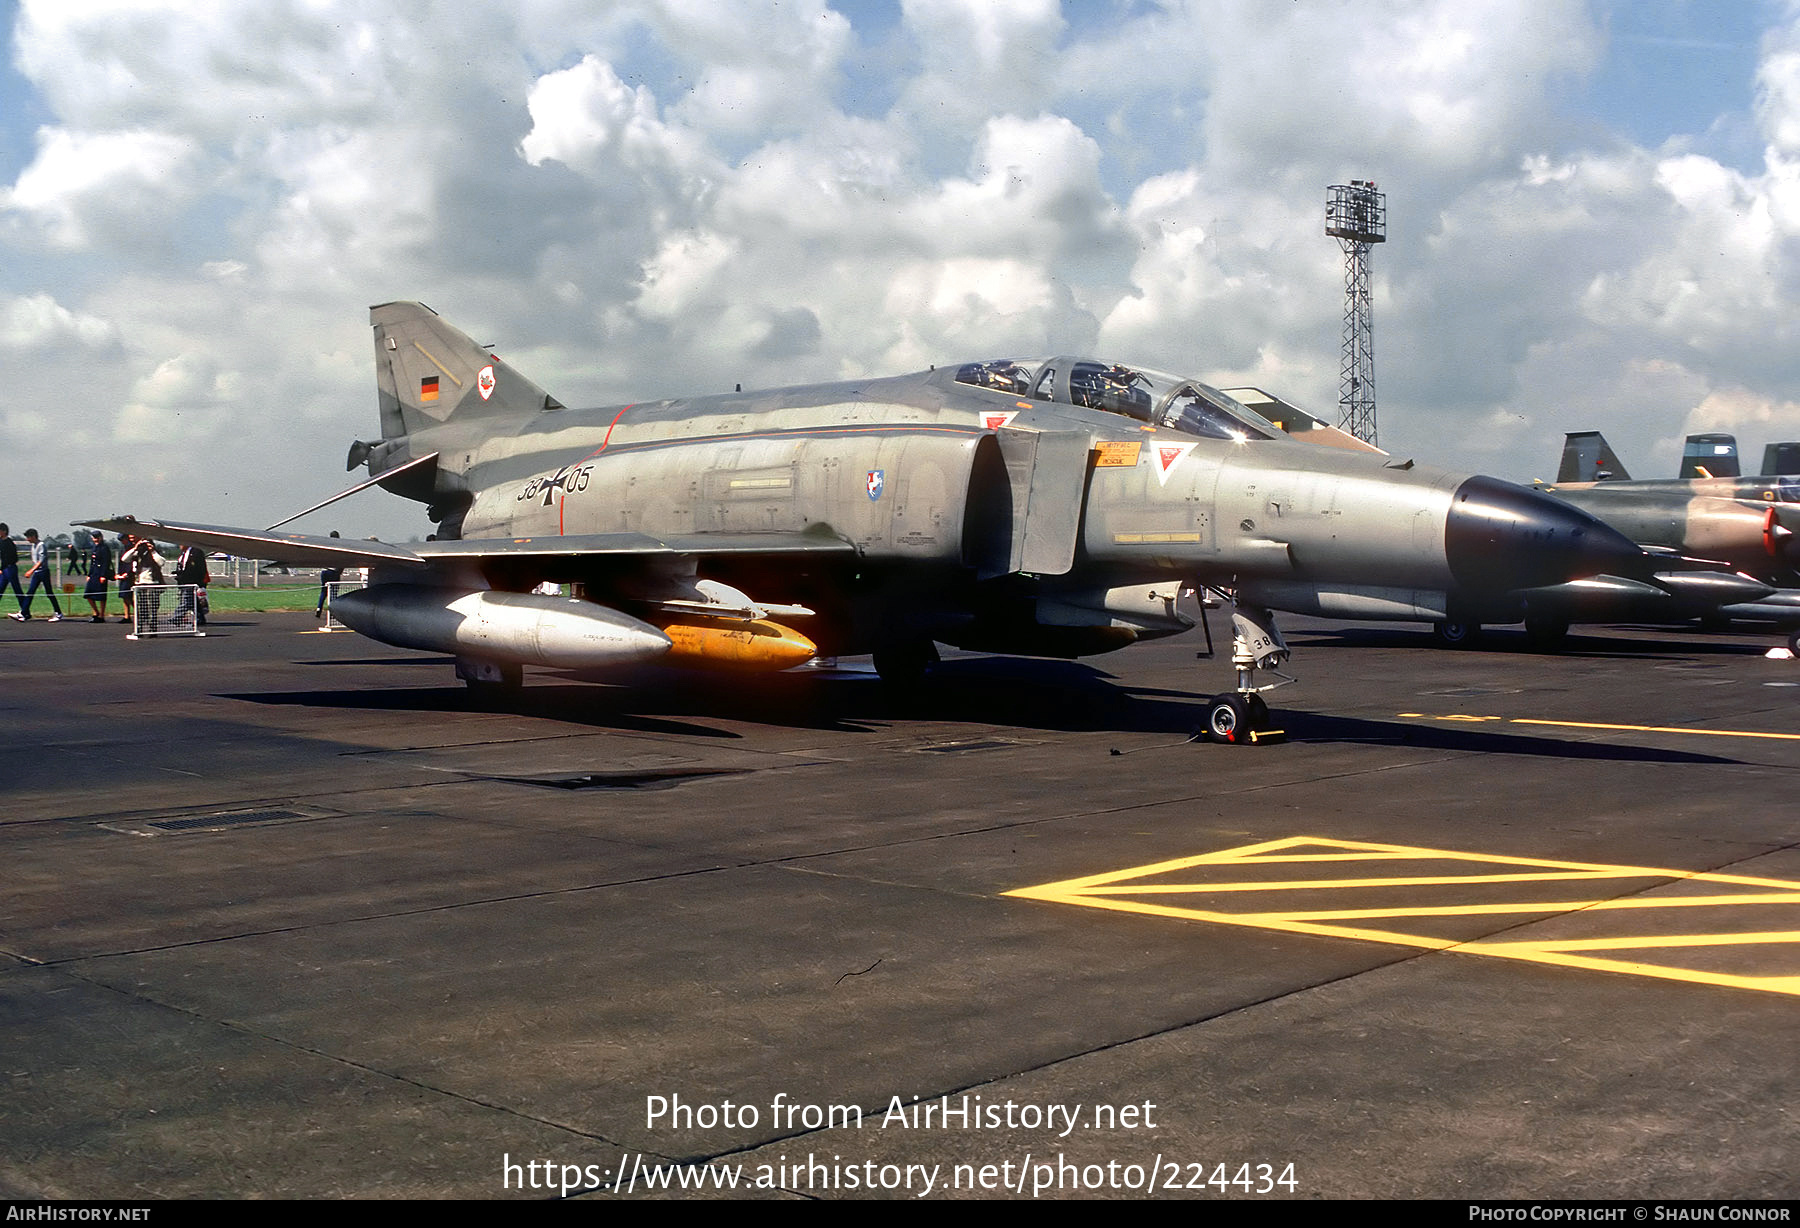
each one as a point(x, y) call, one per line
point(1356, 216)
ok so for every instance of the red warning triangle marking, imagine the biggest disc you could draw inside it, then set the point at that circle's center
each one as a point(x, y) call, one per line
point(1168, 455)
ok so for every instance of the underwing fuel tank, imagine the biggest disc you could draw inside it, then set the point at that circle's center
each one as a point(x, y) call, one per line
point(513, 628)
point(758, 645)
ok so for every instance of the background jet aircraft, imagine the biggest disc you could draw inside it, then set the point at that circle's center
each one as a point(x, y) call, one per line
point(1746, 524)
point(1709, 466)
point(1664, 584)
point(1709, 456)
point(1051, 507)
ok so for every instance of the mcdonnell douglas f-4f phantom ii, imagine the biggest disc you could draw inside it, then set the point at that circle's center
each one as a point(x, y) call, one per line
point(1041, 507)
point(1744, 525)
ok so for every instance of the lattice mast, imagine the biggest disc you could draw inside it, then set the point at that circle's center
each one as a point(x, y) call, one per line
point(1356, 216)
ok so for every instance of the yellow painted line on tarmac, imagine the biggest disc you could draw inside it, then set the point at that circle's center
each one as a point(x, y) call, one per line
point(1388, 907)
point(1522, 720)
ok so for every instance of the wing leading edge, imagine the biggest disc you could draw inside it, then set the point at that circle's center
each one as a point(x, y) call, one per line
point(310, 551)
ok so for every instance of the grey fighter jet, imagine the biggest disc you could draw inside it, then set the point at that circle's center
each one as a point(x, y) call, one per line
point(1050, 507)
point(1745, 525)
point(1708, 552)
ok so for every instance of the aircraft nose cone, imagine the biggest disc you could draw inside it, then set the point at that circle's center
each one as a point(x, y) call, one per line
point(1499, 537)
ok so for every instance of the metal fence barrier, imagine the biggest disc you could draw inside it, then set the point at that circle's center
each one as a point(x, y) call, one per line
point(164, 609)
point(332, 589)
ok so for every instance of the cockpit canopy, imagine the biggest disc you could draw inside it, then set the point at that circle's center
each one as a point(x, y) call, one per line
point(1148, 396)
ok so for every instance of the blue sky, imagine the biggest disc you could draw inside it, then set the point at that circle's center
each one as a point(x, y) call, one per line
point(1594, 213)
point(1679, 68)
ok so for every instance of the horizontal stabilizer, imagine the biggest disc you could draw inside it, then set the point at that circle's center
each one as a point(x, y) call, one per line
point(383, 478)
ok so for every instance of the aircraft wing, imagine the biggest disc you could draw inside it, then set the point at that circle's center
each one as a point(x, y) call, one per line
point(297, 548)
point(642, 544)
point(311, 551)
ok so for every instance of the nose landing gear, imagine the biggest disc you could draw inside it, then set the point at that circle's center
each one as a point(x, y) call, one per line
point(1241, 717)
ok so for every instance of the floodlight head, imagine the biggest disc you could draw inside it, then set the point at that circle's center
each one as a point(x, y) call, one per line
point(1356, 212)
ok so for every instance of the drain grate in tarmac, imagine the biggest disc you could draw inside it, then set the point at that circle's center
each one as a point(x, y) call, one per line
point(655, 778)
point(951, 748)
point(225, 820)
point(217, 820)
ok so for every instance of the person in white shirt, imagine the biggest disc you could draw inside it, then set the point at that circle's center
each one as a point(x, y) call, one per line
point(38, 577)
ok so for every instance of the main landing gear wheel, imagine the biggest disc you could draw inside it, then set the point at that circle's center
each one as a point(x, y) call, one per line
point(1453, 633)
point(1794, 643)
point(490, 682)
point(904, 666)
point(1546, 633)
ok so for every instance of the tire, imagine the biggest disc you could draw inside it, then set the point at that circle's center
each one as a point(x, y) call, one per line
point(1228, 720)
point(1794, 643)
point(904, 666)
point(1455, 634)
point(1259, 712)
point(1545, 632)
point(493, 692)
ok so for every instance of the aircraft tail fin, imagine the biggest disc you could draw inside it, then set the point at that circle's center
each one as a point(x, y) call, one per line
point(1587, 457)
point(1780, 459)
point(429, 372)
point(1709, 456)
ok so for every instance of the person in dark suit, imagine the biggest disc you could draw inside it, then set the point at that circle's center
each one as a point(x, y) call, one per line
point(327, 577)
point(9, 566)
point(100, 574)
point(191, 569)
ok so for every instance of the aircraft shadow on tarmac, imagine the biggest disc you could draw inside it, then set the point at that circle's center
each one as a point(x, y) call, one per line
point(1320, 727)
point(1654, 644)
point(1004, 692)
point(994, 691)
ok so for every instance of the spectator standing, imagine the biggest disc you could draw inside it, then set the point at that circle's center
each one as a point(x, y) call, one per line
point(9, 566)
point(327, 577)
point(144, 568)
point(38, 577)
point(100, 571)
point(191, 569)
point(127, 543)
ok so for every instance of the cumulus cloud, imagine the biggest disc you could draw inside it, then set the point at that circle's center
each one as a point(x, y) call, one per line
point(978, 58)
point(37, 321)
point(88, 188)
point(586, 117)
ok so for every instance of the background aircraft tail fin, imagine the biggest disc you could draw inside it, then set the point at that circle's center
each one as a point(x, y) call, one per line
point(1709, 456)
point(1587, 457)
point(1781, 458)
point(429, 372)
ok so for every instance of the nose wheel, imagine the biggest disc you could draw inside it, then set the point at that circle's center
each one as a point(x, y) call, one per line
point(1241, 717)
point(1234, 718)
